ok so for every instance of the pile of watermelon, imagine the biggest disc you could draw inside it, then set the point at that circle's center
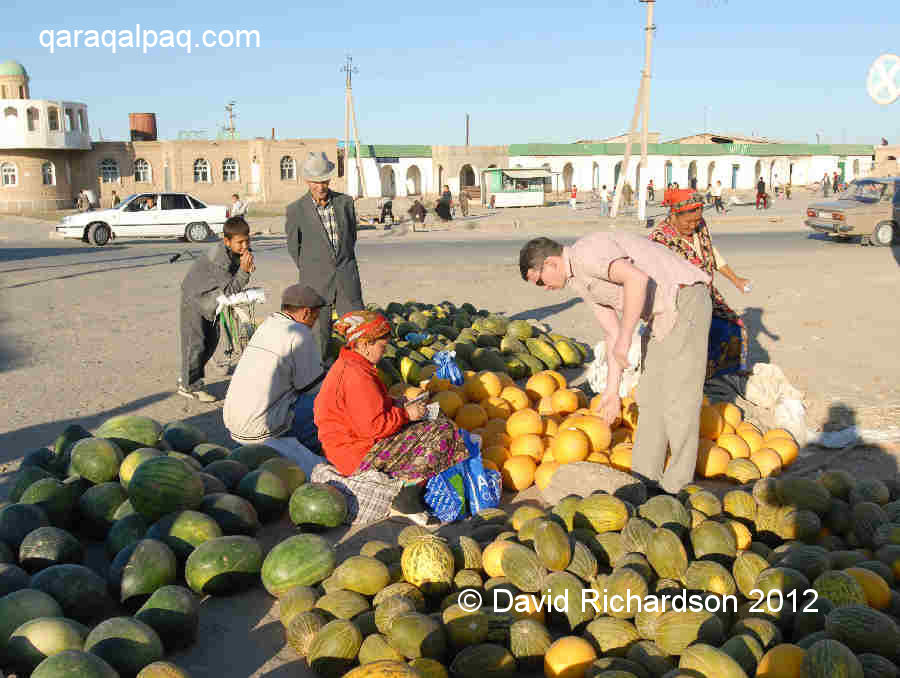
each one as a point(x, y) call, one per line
point(176, 517)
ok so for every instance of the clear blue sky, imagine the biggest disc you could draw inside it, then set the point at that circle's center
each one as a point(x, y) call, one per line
point(525, 71)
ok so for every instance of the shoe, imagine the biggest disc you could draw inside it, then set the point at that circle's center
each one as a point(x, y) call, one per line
point(198, 394)
point(422, 518)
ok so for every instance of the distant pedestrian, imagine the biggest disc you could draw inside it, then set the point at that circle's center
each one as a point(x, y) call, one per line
point(761, 194)
point(238, 206)
point(573, 196)
point(826, 185)
point(651, 192)
point(464, 203)
point(627, 194)
point(604, 202)
point(717, 197)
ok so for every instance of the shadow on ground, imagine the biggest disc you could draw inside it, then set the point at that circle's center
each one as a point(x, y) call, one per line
point(544, 312)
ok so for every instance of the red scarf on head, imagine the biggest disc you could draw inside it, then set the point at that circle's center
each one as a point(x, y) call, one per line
point(358, 325)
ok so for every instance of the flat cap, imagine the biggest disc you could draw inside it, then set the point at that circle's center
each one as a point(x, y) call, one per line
point(303, 296)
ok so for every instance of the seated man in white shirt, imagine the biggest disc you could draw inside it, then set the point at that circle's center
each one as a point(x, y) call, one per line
point(272, 391)
point(238, 206)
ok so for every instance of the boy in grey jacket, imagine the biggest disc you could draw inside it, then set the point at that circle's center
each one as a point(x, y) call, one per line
point(225, 269)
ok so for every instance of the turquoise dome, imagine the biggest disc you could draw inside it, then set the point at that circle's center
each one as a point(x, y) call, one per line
point(12, 68)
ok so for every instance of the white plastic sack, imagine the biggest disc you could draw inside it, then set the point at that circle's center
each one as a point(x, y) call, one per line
point(249, 296)
point(598, 371)
point(767, 385)
point(790, 414)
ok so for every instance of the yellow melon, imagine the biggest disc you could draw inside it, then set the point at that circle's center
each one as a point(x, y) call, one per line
point(730, 412)
point(746, 426)
point(551, 426)
point(530, 444)
point(711, 422)
point(437, 385)
point(734, 444)
point(728, 428)
point(564, 401)
point(482, 386)
point(548, 455)
point(598, 458)
point(540, 386)
point(460, 391)
point(497, 408)
point(518, 472)
point(782, 661)
point(620, 456)
point(706, 401)
point(495, 425)
point(496, 454)
point(771, 434)
point(515, 397)
point(471, 416)
point(450, 403)
point(621, 435)
point(878, 593)
point(544, 473)
point(752, 437)
point(493, 438)
point(505, 379)
point(571, 445)
point(545, 406)
point(524, 421)
point(768, 461)
point(742, 534)
point(786, 448)
point(492, 556)
point(527, 606)
point(597, 431)
point(568, 657)
point(560, 379)
point(712, 461)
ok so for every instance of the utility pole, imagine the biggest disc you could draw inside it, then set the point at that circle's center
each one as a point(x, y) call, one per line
point(642, 104)
point(350, 69)
point(229, 120)
point(467, 130)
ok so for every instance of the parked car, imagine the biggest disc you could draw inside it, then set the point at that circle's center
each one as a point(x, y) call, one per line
point(869, 208)
point(144, 215)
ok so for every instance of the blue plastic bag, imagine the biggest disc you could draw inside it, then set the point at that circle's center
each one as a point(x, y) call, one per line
point(483, 486)
point(465, 488)
point(442, 498)
point(417, 338)
point(447, 367)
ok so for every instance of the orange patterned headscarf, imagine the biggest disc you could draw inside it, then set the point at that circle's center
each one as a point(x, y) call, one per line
point(682, 200)
point(358, 325)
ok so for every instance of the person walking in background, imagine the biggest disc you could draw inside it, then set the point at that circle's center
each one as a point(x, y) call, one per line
point(761, 194)
point(321, 239)
point(717, 197)
point(463, 203)
point(442, 206)
point(573, 196)
point(826, 185)
point(651, 192)
point(604, 202)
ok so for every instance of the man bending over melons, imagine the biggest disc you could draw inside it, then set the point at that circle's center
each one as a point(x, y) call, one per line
point(626, 278)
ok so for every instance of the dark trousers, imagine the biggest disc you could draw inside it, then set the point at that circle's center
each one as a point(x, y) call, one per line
point(198, 339)
point(324, 322)
point(304, 428)
point(719, 206)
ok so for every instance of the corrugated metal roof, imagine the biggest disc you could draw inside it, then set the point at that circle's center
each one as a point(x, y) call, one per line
point(392, 151)
point(691, 149)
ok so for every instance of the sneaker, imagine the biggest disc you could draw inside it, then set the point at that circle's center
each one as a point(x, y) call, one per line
point(198, 394)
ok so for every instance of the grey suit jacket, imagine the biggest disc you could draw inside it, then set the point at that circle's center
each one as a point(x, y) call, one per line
point(333, 275)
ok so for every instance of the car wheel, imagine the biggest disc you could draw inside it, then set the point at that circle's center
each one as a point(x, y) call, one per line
point(197, 232)
point(99, 234)
point(883, 234)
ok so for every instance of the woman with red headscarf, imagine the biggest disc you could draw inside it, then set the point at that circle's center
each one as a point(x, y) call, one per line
point(361, 427)
point(685, 232)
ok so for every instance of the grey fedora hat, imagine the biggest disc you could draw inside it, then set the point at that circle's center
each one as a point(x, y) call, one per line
point(318, 167)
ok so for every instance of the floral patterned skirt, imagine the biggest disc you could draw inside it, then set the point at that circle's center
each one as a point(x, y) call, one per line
point(417, 452)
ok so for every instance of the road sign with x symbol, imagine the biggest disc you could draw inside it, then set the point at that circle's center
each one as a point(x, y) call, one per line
point(883, 82)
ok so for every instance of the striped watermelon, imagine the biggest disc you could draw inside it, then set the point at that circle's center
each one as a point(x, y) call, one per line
point(164, 485)
point(131, 432)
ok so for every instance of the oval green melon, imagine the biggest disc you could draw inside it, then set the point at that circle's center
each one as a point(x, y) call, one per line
point(840, 588)
point(529, 641)
point(183, 437)
point(480, 661)
point(186, 459)
point(125, 532)
point(551, 543)
point(831, 659)
point(74, 663)
point(376, 648)
point(35, 640)
point(666, 511)
point(363, 574)
point(666, 554)
point(126, 644)
point(334, 648)
point(252, 456)
point(290, 473)
point(566, 584)
point(710, 661)
point(318, 506)
point(164, 485)
point(24, 478)
point(140, 569)
point(54, 498)
point(302, 629)
point(133, 460)
point(12, 578)
point(601, 513)
point(207, 453)
point(163, 670)
point(414, 635)
point(183, 531)
point(295, 601)
point(234, 514)
point(47, 546)
point(173, 612)
point(612, 636)
point(864, 629)
point(710, 576)
point(22, 606)
point(96, 459)
point(62, 446)
point(98, 505)
point(342, 604)
point(130, 432)
point(229, 471)
point(266, 492)
point(746, 570)
point(675, 630)
point(225, 565)
point(18, 520)
point(523, 568)
point(746, 650)
point(301, 560)
point(78, 589)
point(713, 540)
point(211, 484)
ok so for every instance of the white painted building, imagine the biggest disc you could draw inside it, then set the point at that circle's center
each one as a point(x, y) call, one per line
point(391, 171)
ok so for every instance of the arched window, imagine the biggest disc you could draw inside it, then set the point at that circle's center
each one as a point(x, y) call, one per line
point(143, 174)
point(201, 171)
point(70, 120)
point(48, 174)
point(33, 116)
point(82, 120)
point(10, 118)
point(229, 169)
point(9, 175)
point(288, 169)
point(109, 171)
point(53, 118)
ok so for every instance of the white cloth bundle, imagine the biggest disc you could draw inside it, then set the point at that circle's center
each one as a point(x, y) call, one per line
point(251, 295)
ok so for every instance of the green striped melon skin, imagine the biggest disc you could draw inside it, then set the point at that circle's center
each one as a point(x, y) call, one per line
point(164, 485)
point(301, 560)
point(710, 661)
point(131, 432)
point(224, 565)
point(183, 531)
point(266, 492)
point(864, 629)
point(17, 520)
point(96, 460)
point(133, 460)
point(252, 456)
point(187, 459)
point(12, 578)
point(173, 612)
point(98, 505)
point(35, 640)
point(317, 506)
point(229, 471)
point(126, 644)
point(24, 478)
point(207, 453)
point(290, 473)
point(234, 514)
point(125, 532)
point(79, 590)
point(211, 484)
point(182, 437)
point(53, 497)
point(74, 663)
point(22, 606)
point(140, 569)
point(62, 446)
point(831, 659)
point(47, 546)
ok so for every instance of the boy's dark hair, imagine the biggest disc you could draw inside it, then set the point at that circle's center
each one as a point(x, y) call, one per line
point(290, 308)
point(235, 226)
point(534, 253)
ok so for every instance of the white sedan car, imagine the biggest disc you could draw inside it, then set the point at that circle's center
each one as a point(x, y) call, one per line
point(145, 215)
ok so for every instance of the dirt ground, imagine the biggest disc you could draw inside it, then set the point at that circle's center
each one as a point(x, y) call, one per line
point(84, 337)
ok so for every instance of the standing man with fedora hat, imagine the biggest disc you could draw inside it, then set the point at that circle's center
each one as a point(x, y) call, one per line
point(321, 238)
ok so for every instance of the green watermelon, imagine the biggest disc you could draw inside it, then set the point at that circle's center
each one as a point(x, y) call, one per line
point(125, 510)
point(183, 531)
point(62, 447)
point(211, 484)
point(173, 612)
point(51, 495)
point(128, 645)
point(131, 432)
point(266, 492)
point(228, 471)
point(25, 477)
point(301, 560)
point(224, 565)
point(318, 506)
point(42, 458)
point(187, 459)
point(290, 473)
point(133, 460)
point(43, 637)
point(252, 456)
point(207, 453)
point(97, 507)
point(235, 515)
point(74, 663)
point(17, 520)
point(96, 460)
point(163, 670)
point(140, 569)
point(125, 532)
point(47, 546)
point(6, 554)
point(12, 578)
point(22, 606)
point(182, 437)
point(164, 485)
point(79, 590)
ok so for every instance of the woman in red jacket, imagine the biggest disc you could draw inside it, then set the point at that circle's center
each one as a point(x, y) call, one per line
point(361, 427)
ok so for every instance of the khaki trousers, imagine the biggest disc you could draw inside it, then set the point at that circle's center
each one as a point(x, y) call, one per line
point(670, 394)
